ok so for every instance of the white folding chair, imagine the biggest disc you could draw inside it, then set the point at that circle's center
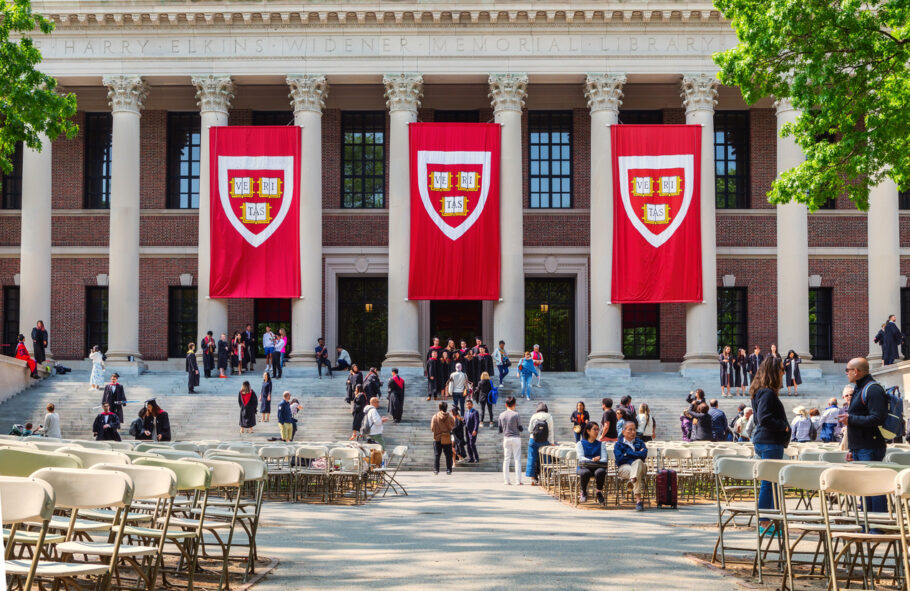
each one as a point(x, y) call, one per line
point(27, 500)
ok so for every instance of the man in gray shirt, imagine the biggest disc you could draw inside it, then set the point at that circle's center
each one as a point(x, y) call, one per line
point(510, 427)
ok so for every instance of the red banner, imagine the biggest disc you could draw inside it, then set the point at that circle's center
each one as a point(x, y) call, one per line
point(255, 212)
point(656, 213)
point(454, 211)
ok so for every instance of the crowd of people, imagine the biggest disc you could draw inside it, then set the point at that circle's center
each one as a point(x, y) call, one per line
point(738, 370)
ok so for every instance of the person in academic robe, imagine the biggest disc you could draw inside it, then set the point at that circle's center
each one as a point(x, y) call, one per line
point(355, 378)
point(192, 368)
point(106, 424)
point(395, 387)
point(114, 396)
point(249, 404)
point(238, 354)
point(891, 341)
point(463, 349)
point(773, 353)
point(224, 355)
point(458, 438)
point(208, 347)
point(265, 397)
point(469, 366)
point(434, 347)
point(741, 369)
point(22, 353)
point(372, 384)
point(450, 347)
point(445, 366)
point(156, 424)
point(358, 408)
point(434, 376)
point(249, 345)
point(484, 361)
point(478, 346)
point(791, 371)
point(39, 341)
point(726, 370)
point(755, 360)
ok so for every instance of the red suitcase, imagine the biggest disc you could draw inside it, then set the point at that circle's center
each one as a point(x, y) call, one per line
point(665, 484)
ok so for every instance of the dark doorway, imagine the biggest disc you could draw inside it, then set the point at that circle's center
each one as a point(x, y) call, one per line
point(95, 318)
point(550, 321)
point(456, 320)
point(182, 316)
point(274, 313)
point(821, 326)
point(10, 319)
point(363, 319)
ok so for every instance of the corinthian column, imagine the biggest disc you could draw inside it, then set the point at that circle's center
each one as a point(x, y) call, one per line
point(214, 95)
point(884, 259)
point(403, 93)
point(308, 94)
point(604, 94)
point(792, 250)
point(126, 95)
point(507, 93)
point(699, 93)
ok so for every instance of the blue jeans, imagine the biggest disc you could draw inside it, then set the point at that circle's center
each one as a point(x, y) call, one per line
point(532, 467)
point(767, 451)
point(503, 372)
point(873, 504)
point(458, 401)
point(526, 385)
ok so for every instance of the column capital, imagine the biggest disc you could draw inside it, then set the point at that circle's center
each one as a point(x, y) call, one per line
point(214, 93)
point(699, 92)
point(508, 91)
point(126, 92)
point(783, 105)
point(604, 91)
point(308, 92)
point(403, 92)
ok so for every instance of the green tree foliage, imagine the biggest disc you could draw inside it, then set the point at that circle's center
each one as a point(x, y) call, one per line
point(29, 104)
point(844, 65)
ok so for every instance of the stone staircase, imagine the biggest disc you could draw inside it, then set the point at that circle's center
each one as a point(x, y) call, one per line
point(212, 413)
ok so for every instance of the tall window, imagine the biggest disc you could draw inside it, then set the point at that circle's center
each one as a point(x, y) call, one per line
point(641, 117)
point(273, 118)
point(821, 328)
point(98, 129)
point(641, 331)
point(731, 159)
point(12, 183)
point(550, 159)
point(181, 320)
point(903, 200)
point(732, 320)
point(95, 318)
point(10, 319)
point(183, 131)
point(363, 159)
point(456, 116)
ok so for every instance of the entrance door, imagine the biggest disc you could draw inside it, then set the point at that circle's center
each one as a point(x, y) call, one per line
point(550, 321)
point(274, 313)
point(456, 320)
point(363, 319)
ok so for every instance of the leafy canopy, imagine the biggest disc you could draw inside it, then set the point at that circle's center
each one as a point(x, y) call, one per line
point(29, 105)
point(844, 65)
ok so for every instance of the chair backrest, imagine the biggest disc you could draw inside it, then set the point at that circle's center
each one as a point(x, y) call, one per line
point(736, 468)
point(18, 443)
point(792, 452)
point(844, 480)
point(175, 454)
point(399, 451)
point(276, 452)
point(834, 457)
point(190, 476)
point(902, 484)
point(149, 482)
point(345, 453)
point(676, 453)
point(120, 445)
point(149, 446)
point(88, 489)
point(811, 455)
point(47, 445)
point(26, 499)
point(768, 469)
point(898, 456)
point(802, 475)
point(94, 444)
point(224, 472)
point(186, 446)
point(253, 468)
point(90, 457)
point(22, 462)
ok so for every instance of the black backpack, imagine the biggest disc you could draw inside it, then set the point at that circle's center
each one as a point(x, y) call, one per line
point(136, 427)
point(540, 432)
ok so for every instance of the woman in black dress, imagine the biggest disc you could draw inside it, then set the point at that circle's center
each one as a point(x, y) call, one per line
point(726, 371)
point(357, 410)
point(265, 397)
point(156, 424)
point(355, 378)
point(741, 372)
point(192, 368)
point(434, 374)
point(791, 367)
point(224, 355)
point(248, 404)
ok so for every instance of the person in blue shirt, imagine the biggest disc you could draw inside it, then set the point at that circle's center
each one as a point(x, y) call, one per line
point(719, 423)
point(592, 461)
point(526, 372)
point(322, 357)
point(630, 454)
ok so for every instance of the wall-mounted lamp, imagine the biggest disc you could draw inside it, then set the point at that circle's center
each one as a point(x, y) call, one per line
point(544, 308)
point(368, 307)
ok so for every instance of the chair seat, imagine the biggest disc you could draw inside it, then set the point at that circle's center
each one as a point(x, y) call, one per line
point(820, 527)
point(108, 515)
point(82, 525)
point(54, 569)
point(224, 503)
point(147, 532)
point(178, 522)
point(30, 538)
point(222, 513)
point(104, 549)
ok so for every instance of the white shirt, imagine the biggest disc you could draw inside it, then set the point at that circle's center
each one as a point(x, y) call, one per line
point(345, 356)
point(830, 415)
point(268, 340)
point(459, 379)
point(97, 358)
point(52, 425)
point(280, 343)
point(372, 422)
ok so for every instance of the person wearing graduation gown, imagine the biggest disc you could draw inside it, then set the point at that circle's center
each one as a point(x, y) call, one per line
point(791, 370)
point(891, 341)
point(372, 384)
point(114, 396)
point(445, 366)
point(434, 376)
point(22, 353)
point(156, 424)
point(265, 397)
point(484, 362)
point(755, 360)
point(39, 342)
point(774, 353)
point(726, 370)
point(355, 379)
point(106, 424)
point(469, 366)
point(458, 438)
point(249, 339)
point(395, 387)
point(741, 372)
point(434, 347)
point(224, 355)
point(238, 351)
point(248, 406)
point(192, 368)
point(207, 346)
point(358, 407)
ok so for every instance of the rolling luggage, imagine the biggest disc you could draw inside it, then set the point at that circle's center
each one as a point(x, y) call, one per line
point(665, 485)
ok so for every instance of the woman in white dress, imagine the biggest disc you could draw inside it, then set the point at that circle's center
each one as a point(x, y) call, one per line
point(97, 358)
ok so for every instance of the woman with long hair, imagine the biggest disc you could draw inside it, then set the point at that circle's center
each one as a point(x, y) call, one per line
point(726, 370)
point(97, 379)
point(773, 352)
point(358, 410)
point(741, 372)
point(265, 397)
point(248, 404)
point(579, 419)
point(645, 420)
point(156, 424)
point(772, 431)
point(791, 369)
point(237, 353)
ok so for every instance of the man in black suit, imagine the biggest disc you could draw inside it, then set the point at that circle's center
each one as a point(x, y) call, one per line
point(114, 396)
point(249, 344)
point(471, 425)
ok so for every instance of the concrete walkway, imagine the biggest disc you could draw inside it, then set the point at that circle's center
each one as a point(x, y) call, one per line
point(469, 531)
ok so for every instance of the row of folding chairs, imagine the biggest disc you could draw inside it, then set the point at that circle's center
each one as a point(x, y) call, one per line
point(128, 511)
point(821, 526)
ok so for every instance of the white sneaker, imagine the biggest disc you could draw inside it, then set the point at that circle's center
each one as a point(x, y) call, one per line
point(507, 483)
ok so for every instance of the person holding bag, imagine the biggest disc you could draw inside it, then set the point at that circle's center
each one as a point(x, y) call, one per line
point(579, 419)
